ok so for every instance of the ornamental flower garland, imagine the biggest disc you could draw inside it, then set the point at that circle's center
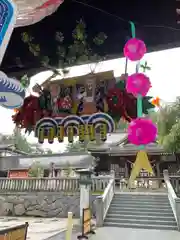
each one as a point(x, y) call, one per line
point(141, 131)
point(138, 84)
point(134, 49)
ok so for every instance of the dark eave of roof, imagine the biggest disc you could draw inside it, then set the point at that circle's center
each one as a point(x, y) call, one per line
point(19, 72)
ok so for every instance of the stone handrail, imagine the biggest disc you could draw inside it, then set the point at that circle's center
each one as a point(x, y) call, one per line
point(50, 184)
point(175, 179)
point(103, 202)
point(171, 195)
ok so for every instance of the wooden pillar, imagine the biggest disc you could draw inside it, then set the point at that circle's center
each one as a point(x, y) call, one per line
point(158, 169)
point(126, 169)
point(51, 170)
point(177, 161)
point(158, 173)
point(108, 160)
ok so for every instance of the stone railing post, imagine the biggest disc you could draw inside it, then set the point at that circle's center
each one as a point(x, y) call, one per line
point(99, 211)
point(166, 175)
point(177, 207)
point(113, 176)
point(112, 173)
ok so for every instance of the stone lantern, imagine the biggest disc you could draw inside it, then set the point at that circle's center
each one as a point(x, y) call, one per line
point(85, 182)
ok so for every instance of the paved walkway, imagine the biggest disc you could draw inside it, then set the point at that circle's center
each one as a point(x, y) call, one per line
point(52, 229)
point(61, 236)
point(39, 228)
point(109, 233)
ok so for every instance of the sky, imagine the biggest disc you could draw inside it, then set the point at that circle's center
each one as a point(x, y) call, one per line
point(164, 76)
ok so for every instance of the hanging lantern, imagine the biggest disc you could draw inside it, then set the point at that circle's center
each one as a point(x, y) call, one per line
point(33, 11)
point(134, 49)
point(142, 131)
point(138, 84)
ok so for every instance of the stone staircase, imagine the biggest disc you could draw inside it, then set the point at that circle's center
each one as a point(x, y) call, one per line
point(140, 211)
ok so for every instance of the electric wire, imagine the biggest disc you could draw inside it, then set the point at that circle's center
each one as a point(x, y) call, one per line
point(125, 20)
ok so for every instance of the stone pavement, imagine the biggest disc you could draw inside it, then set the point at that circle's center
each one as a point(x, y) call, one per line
point(61, 236)
point(53, 229)
point(39, 228)
point(109, 233)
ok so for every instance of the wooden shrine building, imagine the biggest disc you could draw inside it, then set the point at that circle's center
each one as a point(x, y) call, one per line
point(115, 154)
point(119, 155)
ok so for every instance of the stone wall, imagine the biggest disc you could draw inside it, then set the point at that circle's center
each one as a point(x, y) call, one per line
point(48, 204)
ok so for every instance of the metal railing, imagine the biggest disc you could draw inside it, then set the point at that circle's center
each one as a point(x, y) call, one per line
point(50, 184)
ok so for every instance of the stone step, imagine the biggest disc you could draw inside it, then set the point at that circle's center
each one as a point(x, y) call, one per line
point(141, 211)
point(140, 200)
point(143, 194)
point(145, 211)
point(128, 203)
point(140, 207)
point(142, 226)
point(140, 216)
point(141, 197)
point(141, 221)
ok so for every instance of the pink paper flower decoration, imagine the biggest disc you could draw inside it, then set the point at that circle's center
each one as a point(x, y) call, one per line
point(134, 49)
point(138, 84)
point(142, 131)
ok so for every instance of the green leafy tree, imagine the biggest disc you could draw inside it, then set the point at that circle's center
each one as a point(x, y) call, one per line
point(36, 170)
point(76, 147)
point(80, 50)
point(168, 123)
point(20, 143)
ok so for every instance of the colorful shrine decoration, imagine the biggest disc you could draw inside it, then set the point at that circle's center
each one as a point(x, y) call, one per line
point(73, 125)
point(12, 94)
point(123, 104)
point(33, 11)
point(141, 131)
point(8, 13)
point(80, 97)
